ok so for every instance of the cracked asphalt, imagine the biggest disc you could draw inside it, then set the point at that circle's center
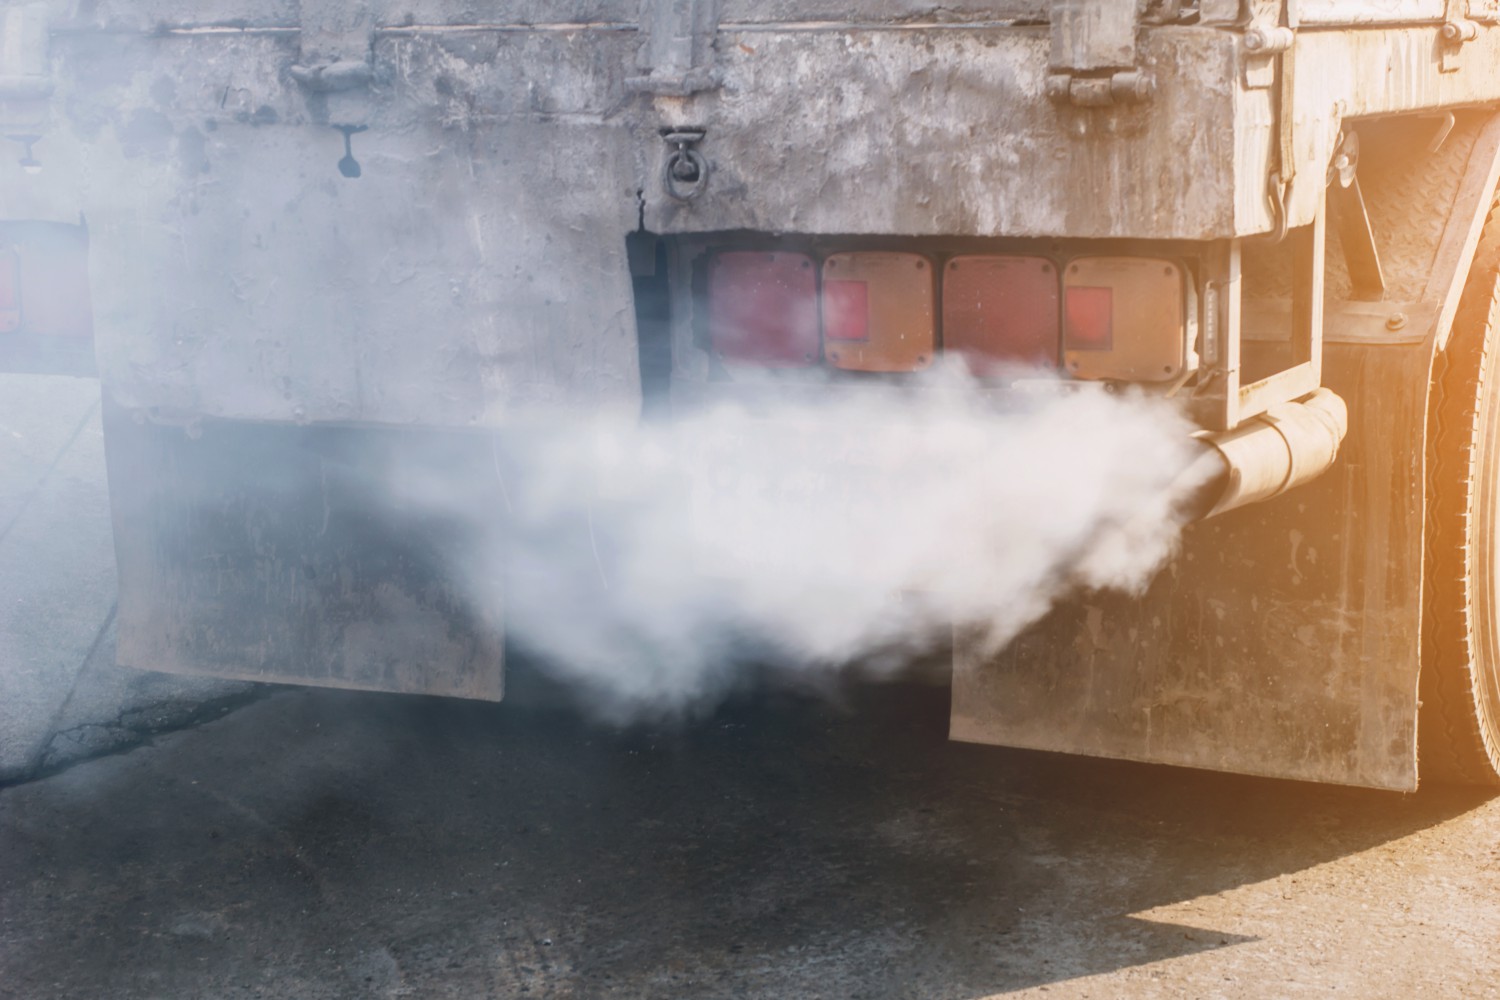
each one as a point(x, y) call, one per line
point(62, 699)
point(334, 844)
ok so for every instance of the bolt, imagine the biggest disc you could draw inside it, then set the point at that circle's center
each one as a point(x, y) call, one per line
point(1395, 321)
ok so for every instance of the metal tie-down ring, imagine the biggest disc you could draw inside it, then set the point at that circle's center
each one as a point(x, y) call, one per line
point(685, 173)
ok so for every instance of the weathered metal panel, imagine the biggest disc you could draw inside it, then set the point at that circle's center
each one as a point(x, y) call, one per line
point(150, 15)
point(277, 553)
point(1283, 640)
point(1368, 11)
point(950, 132)
point(237, 274)
point(1353, 74)
point(736, 12)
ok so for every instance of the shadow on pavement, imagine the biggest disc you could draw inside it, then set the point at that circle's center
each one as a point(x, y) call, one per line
point(332, 844)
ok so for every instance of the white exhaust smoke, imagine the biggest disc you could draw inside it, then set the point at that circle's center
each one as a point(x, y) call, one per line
point(642, 561)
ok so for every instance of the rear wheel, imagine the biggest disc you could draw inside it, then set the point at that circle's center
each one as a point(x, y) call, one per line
point(1459, 722)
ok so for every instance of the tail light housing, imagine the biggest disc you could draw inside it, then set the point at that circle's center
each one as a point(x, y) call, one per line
point(1124, 318)
point(878, 311)
point(1001, 311)
point(763, 308)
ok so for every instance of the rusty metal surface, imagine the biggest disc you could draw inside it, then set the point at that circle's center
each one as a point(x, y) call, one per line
point(912, 135)
point(1282, 641)
point(1358, 73)
point(478, 266)
point(283, 554)
point(236, 273)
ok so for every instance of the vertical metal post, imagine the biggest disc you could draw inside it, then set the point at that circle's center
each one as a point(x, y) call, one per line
point(1307, 291)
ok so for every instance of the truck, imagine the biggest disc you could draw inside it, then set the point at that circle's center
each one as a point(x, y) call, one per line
point(302, 244)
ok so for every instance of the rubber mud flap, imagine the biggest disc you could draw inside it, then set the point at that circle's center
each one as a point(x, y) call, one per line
point(1283, 640)
point(272, 552)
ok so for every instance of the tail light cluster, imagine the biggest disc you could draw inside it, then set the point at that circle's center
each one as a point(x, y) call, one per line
point(1101, 318)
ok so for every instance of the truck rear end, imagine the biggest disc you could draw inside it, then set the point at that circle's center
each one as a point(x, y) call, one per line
point(317, 249)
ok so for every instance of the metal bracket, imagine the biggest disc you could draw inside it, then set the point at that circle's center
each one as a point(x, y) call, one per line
point(1263, 42)
point(685, 172)
point(1221, 401)
point(1456, 30)
point(337, 47)
point(1484, 11)
point(331, 78)
point(1093, 62)
point(1351, 219)
point(1357, 238)
point(678, 52)
point(1126, 86)
point(1221, 12)
point(1454, 35)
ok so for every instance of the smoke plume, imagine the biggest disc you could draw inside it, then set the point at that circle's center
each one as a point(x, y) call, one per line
point(643, 561)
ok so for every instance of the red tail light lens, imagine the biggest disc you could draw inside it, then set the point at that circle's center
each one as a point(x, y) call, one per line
point(10, 290)
point(763, 308)
point(1124, 318)
point(1001, 310)
point(846, 310)
point(878, 311)
point(1090, 318)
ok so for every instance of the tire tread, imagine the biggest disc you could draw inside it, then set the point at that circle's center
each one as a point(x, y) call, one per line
point(1453, 745)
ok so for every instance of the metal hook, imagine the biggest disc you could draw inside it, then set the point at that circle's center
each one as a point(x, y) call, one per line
point(349, 166)
point(1278, 192)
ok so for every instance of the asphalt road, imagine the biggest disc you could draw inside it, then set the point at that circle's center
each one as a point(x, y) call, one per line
point(331, 844)
point(62, 698)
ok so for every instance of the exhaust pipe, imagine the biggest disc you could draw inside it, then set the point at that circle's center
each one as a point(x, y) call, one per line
point(1267, 455)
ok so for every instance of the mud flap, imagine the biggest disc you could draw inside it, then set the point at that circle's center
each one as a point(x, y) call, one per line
point(310, 555)
point(1282, 641)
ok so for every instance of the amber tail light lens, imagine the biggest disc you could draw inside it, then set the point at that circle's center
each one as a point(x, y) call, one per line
point(1124, 318)
point(846, 310)
point(763, 309)
point(1001, 311)
point(878, 311)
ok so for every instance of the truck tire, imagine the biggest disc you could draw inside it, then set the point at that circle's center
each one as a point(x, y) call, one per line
point(1458, 723)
